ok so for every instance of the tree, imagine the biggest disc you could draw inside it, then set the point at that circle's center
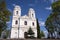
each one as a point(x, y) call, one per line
point(4, 16)
point(42, 34)
point(56, 10)
point(30, 33)
point(2, 27)
point(38, 30)
point(49, 26)
point(53, 21)
point(3, 35)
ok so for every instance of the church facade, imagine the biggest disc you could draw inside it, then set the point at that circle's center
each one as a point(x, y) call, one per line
point(21, 24)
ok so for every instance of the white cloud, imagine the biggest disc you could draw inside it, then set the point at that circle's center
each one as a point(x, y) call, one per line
point(52, 1)
point(14, 4)
point(10, 10)
point(41, 23)
point(8, 22)
point(48, 8)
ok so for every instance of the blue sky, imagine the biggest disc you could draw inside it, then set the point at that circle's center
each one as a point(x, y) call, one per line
point(41, 7)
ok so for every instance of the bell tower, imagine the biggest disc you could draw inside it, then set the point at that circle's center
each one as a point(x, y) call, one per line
point(17, 11)
point(16, 16)
point(31, 13)
point(15, 21)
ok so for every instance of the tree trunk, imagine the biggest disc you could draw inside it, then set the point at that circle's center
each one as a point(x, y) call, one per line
point(52, 36)
point(48, 34)
point(55, 35)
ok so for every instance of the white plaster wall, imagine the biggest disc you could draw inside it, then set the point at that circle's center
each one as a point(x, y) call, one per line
point(29, 22)
point(23, 28)
point(14, 33)
point(21, 33)
point(35, 31)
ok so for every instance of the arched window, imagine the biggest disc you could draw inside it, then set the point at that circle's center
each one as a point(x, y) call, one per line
point(16, 12)
point(32, 15)
point(25, 22)
point(33, 23)
point(16, 22)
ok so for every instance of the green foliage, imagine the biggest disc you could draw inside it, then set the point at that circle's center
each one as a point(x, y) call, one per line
point(56, 6)
point(53, 20)
point(42, 34)
point(2, 5)
point(7, 33)
point(30, 32)
point(2, 26)
point(4, 12)
point(38, 30)
point(56, 13)
point(49, 26)
point(1, 1)
point(4, 16)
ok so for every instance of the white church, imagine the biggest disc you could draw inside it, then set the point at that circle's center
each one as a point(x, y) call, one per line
point(21, 24)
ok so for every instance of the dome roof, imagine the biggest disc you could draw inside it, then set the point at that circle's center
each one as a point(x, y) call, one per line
point(17, 7)
point(31, 9)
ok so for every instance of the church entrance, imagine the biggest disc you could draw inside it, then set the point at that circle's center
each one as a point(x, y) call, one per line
point(25, 35)
point(29, 33)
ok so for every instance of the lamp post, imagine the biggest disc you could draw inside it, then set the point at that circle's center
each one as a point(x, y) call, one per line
point(18, 27)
